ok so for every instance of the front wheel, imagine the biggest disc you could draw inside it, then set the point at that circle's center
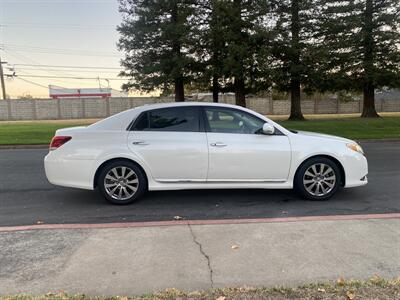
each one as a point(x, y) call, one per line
point(122, 182)
point(318, 179)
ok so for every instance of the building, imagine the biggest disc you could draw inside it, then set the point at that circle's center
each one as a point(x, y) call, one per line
point(57, 92)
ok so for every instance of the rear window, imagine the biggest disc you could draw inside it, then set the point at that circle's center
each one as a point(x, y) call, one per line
point(169, 119)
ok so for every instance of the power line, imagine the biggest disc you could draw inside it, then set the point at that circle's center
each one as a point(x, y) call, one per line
point(12, 68)
point(48, 69)
point(29, 60)
point(34, 83)
point(58, 1)
point(68, 67)
point(64, 77)
point(58, 26)
point(57, 51)
point(50, 48)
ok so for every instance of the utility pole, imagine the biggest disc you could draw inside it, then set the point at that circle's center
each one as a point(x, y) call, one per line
point(3, 85)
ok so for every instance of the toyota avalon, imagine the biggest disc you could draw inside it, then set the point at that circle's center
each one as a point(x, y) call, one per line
point(191, 145)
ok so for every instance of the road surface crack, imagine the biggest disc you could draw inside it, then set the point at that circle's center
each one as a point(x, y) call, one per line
point(204, 254)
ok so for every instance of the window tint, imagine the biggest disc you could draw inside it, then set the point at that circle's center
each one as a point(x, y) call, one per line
point(232, 121)
point(169, 119)
point(142, 123)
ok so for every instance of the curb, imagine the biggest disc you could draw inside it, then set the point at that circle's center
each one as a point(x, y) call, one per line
point(388, 216)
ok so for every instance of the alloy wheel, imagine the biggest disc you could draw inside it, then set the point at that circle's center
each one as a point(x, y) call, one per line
point(319, 179)
point(121, 183)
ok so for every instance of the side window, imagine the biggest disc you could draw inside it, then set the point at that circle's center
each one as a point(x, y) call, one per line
point(232, 121)
point(169, 119)
point(142, 123)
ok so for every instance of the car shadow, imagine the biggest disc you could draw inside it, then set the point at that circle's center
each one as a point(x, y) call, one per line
point(66, 205)
point(204, 204)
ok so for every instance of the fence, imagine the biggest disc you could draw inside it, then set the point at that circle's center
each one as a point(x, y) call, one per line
point(81, 108)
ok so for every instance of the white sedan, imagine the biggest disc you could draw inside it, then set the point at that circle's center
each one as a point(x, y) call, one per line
point(191, 145)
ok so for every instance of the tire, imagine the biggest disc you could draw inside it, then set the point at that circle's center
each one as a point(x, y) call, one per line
point(318, 178)
point(122, 182)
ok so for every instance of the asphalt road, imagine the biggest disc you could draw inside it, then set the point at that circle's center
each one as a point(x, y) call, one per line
point(27, 198)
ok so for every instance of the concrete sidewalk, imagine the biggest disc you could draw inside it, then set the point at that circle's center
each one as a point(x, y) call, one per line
point(128, 261)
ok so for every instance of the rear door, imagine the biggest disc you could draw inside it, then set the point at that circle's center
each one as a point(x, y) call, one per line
point(238, 151)
point(172, 142)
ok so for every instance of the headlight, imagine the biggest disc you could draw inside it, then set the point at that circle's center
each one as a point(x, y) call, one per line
point(355, 147)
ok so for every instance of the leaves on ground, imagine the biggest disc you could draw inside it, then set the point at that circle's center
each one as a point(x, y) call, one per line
point(350, 295)
point(340, 281)
point(372, 289)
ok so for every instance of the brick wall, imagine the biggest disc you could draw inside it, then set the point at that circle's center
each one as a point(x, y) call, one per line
point(75, 108)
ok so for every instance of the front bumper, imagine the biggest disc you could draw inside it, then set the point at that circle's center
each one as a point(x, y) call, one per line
point(356, 170)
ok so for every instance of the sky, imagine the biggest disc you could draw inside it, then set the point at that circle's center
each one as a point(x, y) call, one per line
point(78, 33)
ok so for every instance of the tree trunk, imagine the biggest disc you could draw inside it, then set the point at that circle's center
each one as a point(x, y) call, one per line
point(295, 104)
point(215, 89)
point(240, 93)
point(176, 47)
point(369, 110)
point(239, 37)
point(179, 90)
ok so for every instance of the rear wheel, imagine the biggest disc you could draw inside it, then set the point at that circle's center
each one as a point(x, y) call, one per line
point(122, 182)
point(318, 179)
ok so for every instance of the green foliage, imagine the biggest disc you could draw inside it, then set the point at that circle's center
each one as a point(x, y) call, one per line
point(292, 45)
point(245, 36)
point(230, 49)
point(210, 46)
point(156, 39)
point(250, 46)
point(358, 50)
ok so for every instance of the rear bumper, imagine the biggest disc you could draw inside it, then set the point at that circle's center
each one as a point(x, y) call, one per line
point(69, 172)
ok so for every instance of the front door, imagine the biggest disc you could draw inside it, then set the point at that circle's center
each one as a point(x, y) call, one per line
point(238, 151)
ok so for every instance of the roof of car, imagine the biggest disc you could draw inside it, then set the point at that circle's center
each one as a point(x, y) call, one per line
point(177, 104)
point(121, 120)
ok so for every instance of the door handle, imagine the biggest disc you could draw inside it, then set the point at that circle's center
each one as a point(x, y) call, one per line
point(140, 143)
point(218, 144)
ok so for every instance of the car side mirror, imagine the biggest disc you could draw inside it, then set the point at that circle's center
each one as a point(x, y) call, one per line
point(268, 129)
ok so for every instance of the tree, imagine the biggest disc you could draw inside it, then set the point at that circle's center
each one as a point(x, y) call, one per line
point(361, 41)
point(231, 46)
point(155, 36)
point(293, 49)
point(211, 45)
point(25, 96)
point(247, 48)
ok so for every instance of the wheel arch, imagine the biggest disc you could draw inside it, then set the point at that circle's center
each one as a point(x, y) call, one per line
point(335, 160)
point(98, 170)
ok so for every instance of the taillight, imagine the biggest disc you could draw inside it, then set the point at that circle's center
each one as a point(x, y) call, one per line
point(58, 141)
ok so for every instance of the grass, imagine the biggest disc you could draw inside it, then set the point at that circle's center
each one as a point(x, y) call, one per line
point(375, 288)
point(41, 132)
point(30, 133)
point(353, 128)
